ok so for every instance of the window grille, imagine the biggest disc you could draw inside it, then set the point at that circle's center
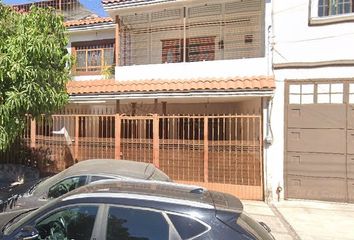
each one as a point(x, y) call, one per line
point(334, 7)
point(70, 9)
point(301, 94)
point(330, 93)
point(93, 59)
point(204, 32)
point(316, 93)
point(197, 49)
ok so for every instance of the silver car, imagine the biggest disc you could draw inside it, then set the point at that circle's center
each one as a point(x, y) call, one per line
point(80, 174)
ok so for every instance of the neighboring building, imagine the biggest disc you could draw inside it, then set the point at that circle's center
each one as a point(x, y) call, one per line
point(312, 117)
point(70, 9)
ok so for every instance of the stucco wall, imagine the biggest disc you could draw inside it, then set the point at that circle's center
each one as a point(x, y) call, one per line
point(296, 41)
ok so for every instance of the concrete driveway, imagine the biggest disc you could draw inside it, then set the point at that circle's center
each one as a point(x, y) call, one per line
point(305, 220)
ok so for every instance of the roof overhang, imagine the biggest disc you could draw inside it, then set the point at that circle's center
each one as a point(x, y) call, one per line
point(168, 95)
point(90, 24)
point(103, 90)
point(92, 27)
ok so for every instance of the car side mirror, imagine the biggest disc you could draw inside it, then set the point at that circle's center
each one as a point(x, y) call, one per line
point(28, 233)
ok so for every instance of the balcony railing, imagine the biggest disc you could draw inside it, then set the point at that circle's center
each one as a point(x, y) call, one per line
point(207, 32)
point(70, 9)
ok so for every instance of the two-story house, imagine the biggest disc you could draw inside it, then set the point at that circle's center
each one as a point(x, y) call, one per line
point(185, 85)
point(193, 75)
point(314, 69)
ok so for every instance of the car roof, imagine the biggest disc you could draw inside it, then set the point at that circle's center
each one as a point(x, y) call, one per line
point(147, 190)
point(110, 167)
point(125, 167)
point(169, 192)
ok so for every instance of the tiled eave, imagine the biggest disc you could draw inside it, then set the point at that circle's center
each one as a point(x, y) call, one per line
point(88, 22)
point(99, 87)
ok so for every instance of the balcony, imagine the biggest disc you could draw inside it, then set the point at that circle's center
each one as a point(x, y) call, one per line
point(206, 40)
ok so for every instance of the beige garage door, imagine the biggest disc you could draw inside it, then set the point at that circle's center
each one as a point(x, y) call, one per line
point(319, 156)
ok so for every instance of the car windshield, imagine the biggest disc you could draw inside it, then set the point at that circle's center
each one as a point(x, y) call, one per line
point(7, 228)
point(24, 216)
point(34, 186)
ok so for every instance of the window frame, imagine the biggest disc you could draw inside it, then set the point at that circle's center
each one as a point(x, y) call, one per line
point(87, 44)
point(207, 226)
point(104, 222)
point(333, 7)
point(39, 216)
point(181, 53)
point(314, 19)
point(105, 177)
point(55, 184)
point(344, 90)
point(80, 205)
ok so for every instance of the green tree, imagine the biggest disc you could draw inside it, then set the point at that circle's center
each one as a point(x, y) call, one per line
point(34, 67)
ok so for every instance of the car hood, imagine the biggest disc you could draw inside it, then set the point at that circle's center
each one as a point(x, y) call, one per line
point(27, 201)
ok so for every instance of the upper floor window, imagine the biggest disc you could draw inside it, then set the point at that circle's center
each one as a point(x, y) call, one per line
point(197, 49)
point(94, 57)
point(334, 7)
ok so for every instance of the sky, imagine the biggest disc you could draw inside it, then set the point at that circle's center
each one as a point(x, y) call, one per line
point(93, 5)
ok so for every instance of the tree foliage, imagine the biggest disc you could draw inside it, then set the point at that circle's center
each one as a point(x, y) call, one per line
point(34, 67)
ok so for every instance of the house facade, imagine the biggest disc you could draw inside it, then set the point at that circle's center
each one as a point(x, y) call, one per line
point(312, 115)
point(186, 85)
point(189, 84)
point(250, 97)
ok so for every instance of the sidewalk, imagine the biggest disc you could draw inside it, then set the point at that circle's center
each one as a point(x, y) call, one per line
point(319, 220)
point(262, 212)
point(305, 220)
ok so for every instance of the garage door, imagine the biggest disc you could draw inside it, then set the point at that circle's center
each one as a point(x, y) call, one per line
point(319, 156)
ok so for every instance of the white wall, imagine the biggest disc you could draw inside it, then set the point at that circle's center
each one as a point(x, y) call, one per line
point(91, 35)
point(295, 41)
point(208, 69)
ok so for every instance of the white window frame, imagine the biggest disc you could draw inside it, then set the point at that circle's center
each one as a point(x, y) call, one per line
point(314, 19)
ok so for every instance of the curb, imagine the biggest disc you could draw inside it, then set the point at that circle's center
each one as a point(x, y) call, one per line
point(286, 224)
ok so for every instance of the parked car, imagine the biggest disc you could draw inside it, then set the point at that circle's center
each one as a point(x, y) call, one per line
point(78, 175)
point(137, 210)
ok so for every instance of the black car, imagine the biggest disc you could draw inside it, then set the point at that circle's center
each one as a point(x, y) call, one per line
point(136, 210)
point(80, 174)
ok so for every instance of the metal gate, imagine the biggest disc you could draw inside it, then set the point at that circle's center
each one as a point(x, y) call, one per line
point(219, 152)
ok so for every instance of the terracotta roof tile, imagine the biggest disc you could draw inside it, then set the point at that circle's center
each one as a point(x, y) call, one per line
point(180, 85)
point(88, 21)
